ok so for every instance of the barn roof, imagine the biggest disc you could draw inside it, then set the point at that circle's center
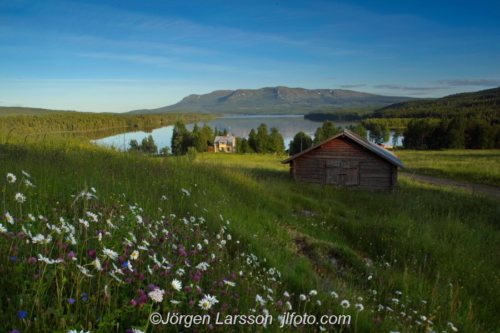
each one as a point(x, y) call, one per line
point(382, 152)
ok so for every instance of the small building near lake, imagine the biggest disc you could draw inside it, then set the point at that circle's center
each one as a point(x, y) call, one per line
point(225, 143)
point(347, 160)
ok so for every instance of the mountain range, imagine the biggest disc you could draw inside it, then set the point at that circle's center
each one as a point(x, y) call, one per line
point(276, 100)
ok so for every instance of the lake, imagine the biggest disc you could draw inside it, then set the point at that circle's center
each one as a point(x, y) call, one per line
point(239, 126)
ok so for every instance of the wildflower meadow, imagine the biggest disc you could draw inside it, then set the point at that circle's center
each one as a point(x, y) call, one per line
point(96, 240)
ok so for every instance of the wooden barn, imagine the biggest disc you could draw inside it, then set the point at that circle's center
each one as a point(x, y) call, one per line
point(347, 160)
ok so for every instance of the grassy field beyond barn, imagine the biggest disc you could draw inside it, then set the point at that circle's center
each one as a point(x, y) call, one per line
point(473, 165)
point(86, 247)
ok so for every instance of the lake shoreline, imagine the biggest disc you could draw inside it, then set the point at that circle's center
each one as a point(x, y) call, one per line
point(239, 126)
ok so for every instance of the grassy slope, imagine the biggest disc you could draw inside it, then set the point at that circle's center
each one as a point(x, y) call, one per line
point(417, 231)
point(421, 240)
point(477, 166)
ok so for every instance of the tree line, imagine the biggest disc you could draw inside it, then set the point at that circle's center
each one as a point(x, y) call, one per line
point(483, 104)
point(80, 122)
point(260, 140)
point(302, 141)
point(455, 133)
point(202, 138)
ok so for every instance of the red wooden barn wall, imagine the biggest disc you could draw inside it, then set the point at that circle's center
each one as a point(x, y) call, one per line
point(344, 162)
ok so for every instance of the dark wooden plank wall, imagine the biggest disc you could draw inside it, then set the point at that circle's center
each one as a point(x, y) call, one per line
point(374, 172)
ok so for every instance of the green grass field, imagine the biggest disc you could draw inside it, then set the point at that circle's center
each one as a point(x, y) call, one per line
point(412, 261)
point(476, 166)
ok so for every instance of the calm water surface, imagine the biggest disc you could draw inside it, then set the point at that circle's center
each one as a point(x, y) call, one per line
point(239, 126)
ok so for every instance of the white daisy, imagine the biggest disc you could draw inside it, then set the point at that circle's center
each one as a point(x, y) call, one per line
point(176, 284)
point(205, 304)
point(11, 178)
point(20, 197)
point(97, 264)
point(134, 255)
point(9, 218)
point(345, 304)
point(28, 183)
point(203, 266)
point(93, 216)
point(259, 299)
point(212, 299)
point(110, 254)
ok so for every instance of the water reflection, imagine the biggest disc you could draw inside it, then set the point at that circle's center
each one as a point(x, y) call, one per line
point(240, 126)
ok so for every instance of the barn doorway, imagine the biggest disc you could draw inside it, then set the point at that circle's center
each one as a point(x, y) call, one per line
point(342, 173)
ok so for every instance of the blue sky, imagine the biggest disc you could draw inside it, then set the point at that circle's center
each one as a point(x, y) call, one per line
point(117, 56)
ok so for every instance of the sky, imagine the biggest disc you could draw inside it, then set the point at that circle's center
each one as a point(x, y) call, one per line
point(118, 56)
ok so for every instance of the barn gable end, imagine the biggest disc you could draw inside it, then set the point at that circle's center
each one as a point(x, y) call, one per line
point(346, 160)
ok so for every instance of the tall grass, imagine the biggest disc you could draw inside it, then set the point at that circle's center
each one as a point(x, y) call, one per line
point(387, 253)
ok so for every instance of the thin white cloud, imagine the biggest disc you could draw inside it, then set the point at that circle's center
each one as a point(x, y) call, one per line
point(166, 48)
point(171, 27)
point(472, 82)
point(417, 94)
point(159, 61)
point(403, 87)
point(353, 85)
point(94, 80)
point(139, 58)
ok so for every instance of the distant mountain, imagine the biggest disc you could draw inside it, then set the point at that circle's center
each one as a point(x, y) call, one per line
point(277, 100)
point(484, 103)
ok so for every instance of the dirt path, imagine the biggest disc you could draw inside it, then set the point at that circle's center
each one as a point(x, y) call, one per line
point(474, 188)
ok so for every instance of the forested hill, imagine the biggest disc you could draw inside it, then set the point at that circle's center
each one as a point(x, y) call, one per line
point(18, 110)
point(483, 104)
point(276, 100)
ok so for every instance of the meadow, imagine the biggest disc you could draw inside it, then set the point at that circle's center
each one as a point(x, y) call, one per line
point(473, 165)
point(97, 240)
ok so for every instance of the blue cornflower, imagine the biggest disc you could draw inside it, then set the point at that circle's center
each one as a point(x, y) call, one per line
point(22, 314)
point(71, 301)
